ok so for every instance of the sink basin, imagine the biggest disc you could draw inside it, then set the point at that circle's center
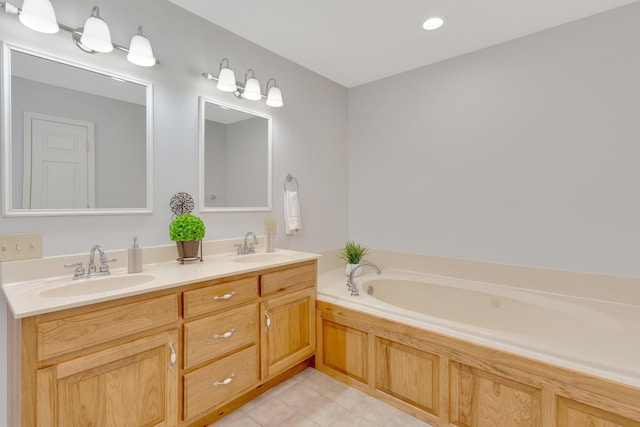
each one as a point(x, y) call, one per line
point(264, 257)
point(96, 285)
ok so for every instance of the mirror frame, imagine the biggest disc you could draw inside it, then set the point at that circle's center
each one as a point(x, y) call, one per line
point(7, 186)
point(203, 100)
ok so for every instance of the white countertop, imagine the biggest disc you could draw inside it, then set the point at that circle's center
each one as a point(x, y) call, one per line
point(28, 298)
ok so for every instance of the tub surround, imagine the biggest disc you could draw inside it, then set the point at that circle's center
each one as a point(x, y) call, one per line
point(24, 281)
point(586, 285)
point(564, 353)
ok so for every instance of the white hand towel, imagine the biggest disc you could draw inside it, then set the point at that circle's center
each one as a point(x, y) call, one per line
point(292, 221)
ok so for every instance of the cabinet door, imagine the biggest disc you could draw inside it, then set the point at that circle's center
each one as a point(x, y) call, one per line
point(288, 330)
point(479, 398)
point(133, 384)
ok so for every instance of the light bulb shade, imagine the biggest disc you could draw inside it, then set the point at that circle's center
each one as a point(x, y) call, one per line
point(96, 35)
point(39, 16)
point(274, 97)
point(252, 89)
point(227, 80)
point(140, 52)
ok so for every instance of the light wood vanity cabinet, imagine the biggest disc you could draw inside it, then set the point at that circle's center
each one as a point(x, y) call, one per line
point(450, 382)
point(108, 366)
point(180, 357)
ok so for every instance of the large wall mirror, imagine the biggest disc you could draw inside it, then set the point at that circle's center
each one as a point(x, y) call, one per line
point(235, 158)
point(75, 140)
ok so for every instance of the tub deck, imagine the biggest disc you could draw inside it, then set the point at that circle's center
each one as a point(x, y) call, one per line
point(595, 337)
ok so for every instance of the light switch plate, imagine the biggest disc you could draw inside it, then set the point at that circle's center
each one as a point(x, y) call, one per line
point(14, 247)
point(270, 224)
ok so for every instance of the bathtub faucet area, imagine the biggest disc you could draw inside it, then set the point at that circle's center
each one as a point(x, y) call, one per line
point(353, 287)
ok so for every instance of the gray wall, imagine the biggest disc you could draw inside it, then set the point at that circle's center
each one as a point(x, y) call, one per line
point(522, 153)
point(216, 164)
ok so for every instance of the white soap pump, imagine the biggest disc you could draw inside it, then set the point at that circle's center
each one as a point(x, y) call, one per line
point(134, 257)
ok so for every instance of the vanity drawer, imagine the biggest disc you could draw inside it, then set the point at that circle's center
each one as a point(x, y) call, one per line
point(81, 331)
point(213, 384)
point(214, 336)
point(218, 297)
point(291, 278)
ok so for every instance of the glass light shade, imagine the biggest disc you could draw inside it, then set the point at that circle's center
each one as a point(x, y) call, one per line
point(252, 89)
point(227, 80)
point(140, 52)
point(274, 97)
point(96, 35)
point(39, 16)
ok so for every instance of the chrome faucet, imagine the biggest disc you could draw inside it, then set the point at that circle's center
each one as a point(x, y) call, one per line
point(351, 284)
point(79, 272)
point(248, 248)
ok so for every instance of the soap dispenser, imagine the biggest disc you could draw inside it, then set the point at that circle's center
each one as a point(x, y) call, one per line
point(270, 229)
point(135, 257)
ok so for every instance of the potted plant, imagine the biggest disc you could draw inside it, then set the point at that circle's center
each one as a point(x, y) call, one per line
point(352, 253)
point(187, 230)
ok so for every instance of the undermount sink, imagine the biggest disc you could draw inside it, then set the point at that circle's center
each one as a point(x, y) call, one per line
point(96, 285)
point(264, 257)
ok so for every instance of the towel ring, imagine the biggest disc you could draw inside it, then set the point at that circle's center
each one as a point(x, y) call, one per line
point(291, 180)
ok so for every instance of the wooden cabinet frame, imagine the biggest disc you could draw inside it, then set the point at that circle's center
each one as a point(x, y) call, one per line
point(105, 344)
point(460, 383)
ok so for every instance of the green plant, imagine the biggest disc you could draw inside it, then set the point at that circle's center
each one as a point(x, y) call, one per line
point(186, 227)
point(353, 252)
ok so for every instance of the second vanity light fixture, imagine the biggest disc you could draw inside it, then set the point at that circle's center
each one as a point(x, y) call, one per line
point(94, 37)
point(250, 89)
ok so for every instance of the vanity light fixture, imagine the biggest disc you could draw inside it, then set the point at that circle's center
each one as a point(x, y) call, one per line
point(250, 90)
point(251, 87)
point(94, 37)
point(39, 16)
point(433, 23)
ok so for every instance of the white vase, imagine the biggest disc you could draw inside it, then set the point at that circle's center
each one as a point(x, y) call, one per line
point(349, 267)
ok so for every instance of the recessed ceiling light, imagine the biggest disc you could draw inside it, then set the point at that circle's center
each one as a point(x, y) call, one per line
point(433, 23)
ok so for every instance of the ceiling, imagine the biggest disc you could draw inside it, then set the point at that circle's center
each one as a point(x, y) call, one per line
point(353, 42)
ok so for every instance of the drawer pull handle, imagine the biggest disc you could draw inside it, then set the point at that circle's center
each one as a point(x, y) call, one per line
point(266, 328)
point(225, 335)
point(225, 296)
point(173, 357)
point(225, 382)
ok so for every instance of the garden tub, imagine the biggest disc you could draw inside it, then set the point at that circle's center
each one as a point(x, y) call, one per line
point(592, 336)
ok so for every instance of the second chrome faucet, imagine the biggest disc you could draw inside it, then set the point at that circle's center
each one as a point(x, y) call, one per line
point(351, 284)
point(79, 272)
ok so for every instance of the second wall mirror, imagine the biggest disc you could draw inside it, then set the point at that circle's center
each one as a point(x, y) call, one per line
point(235, 158)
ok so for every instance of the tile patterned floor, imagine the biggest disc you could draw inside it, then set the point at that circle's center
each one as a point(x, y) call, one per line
point(313, 399)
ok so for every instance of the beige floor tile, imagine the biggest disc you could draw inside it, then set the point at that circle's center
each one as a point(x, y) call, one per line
point(402, 419)
point(271, 413)
point(298, 420)
point(297, 396)
point(352, 420)
point(345, 396)
point(374, 410)
point(242, 421)
point(323, 411)
point(313, 399)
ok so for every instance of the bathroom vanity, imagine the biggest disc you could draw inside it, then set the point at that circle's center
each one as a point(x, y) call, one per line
point(182, 355)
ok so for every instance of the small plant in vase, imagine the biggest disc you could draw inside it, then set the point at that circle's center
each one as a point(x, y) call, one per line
point(186, 229)
point(352, 254)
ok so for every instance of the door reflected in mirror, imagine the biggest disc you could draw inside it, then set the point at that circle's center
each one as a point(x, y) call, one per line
point(235, 158)
point(77, 140)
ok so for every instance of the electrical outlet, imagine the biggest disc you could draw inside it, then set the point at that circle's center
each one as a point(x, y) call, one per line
point(14, 247)
point(270, 224)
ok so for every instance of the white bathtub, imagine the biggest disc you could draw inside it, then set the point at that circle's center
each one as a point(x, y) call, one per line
point(597, 337)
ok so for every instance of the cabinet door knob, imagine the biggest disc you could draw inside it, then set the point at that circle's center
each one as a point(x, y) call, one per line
point(225, 296)
point(225, 335)
point(225, 382)
point(173, 357)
